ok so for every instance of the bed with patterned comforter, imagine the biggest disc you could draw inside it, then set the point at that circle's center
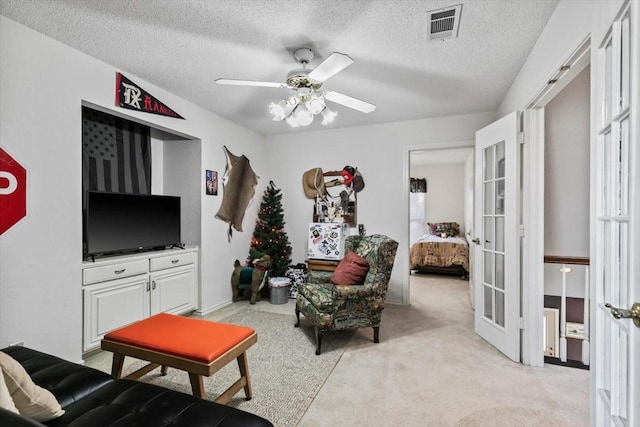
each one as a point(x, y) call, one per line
point(435, 254)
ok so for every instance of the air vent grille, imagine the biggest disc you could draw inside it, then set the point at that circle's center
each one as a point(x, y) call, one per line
point(443, 23)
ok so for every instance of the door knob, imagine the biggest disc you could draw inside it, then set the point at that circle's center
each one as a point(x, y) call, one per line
point(620, 313)
point(476, 241)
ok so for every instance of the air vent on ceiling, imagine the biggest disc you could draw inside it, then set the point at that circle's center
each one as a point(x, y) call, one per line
point(443, 23)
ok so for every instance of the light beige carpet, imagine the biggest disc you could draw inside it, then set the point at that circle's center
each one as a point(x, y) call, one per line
point(431, 369)
point(285, 372)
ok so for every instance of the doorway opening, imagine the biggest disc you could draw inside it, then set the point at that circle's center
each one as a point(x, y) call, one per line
point(557, 167)
point(566, 222)
point(440, 211)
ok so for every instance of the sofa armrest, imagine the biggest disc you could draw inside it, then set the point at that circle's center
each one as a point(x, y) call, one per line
point(68, 381)
point(8, 418)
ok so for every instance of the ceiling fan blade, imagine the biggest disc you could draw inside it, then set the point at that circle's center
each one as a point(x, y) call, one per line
point(349, 101)
point(335, 63)
point(250, 83)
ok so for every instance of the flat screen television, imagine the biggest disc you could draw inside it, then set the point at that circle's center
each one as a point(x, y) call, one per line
point(119, 223)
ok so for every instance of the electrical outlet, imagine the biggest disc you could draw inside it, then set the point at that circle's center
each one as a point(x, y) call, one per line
point(17, 344)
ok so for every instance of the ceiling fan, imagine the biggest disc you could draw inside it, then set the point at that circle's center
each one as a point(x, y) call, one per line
point(308, 100)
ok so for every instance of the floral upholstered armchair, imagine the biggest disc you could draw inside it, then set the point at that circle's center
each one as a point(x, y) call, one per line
point(328, 306)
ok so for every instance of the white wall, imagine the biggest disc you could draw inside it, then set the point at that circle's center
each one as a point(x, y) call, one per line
point(566, 163)
point(183, 181)
point(566, 182)
point(43, 85)
point(569, 25)
point(378, 153)
point(444, 201)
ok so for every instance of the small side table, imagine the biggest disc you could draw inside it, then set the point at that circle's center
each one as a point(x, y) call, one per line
point(322, 265)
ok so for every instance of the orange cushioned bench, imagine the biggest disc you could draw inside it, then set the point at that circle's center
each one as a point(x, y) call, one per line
point(197, 346)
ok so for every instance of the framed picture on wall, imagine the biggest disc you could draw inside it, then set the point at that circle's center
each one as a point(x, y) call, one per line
point(211, 183)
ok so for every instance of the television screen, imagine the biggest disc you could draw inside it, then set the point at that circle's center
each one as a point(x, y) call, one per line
point(116, 222)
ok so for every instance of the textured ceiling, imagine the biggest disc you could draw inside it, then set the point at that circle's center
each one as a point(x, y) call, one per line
point(183, 46)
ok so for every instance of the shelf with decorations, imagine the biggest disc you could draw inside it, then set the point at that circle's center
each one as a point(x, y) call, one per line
point(335, 194)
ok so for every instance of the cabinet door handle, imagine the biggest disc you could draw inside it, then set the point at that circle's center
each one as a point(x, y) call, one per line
point(153, 285)
point(148, 287)
point(175, 261)
point(119, 271)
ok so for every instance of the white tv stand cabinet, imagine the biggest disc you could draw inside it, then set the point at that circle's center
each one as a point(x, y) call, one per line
point(123, 289)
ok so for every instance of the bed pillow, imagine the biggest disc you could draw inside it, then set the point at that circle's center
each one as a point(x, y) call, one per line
point(31, 400)
point(452, 229)
point(352, 270)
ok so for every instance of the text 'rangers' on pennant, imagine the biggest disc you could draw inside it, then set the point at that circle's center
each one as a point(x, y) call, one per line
point(130, 95)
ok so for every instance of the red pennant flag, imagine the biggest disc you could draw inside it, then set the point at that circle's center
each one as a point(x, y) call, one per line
point(131, 96)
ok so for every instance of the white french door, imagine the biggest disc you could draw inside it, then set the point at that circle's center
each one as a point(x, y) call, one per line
point(616, 253)
point(496, 271)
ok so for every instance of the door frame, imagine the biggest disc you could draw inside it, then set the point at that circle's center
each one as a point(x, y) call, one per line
point(532, 209)
point(406, 159)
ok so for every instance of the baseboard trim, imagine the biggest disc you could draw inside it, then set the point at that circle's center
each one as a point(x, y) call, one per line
point(210, 310)
point(568, 363)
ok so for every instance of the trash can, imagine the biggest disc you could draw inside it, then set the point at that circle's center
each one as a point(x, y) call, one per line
point(279, 290)
point(298, 275)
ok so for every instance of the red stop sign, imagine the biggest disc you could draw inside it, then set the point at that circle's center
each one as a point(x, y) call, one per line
point(13, 191)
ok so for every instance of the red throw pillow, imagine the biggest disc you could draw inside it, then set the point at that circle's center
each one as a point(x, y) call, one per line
point(351, 271)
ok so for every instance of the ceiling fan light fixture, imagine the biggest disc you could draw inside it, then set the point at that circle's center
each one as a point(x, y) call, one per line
point(292, 122)
point(328, 116)
point(315, 104)
point(279, 111)
point(292, 119)
point(300, 109)
point(302, 116)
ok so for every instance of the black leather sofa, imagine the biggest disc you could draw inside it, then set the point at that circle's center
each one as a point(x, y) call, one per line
point(93, 398)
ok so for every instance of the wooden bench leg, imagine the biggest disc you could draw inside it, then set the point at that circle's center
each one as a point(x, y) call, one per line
point(243, 382)
point(163, 370)
point(116, 365)
point(243, 365)
point(197, 386)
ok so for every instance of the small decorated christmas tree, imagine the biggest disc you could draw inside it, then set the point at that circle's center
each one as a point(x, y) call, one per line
point(269, 237)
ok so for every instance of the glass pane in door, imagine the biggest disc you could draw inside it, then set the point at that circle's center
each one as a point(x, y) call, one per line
point(625, 64)
point(605, 170)
point(622, 199)
point(499, 234)
point(499, 271)
point(606, 255)
point(488, 268)
point(606, 105)
point(500, 160)
point(622, 264)
point(500, 197)
point(488, 163)
point(488, 198)
point(488, 302)
point(488, 233)
point(500, 308)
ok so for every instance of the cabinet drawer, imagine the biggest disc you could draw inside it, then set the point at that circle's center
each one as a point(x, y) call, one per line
point(171, 261)
point(113, 271)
